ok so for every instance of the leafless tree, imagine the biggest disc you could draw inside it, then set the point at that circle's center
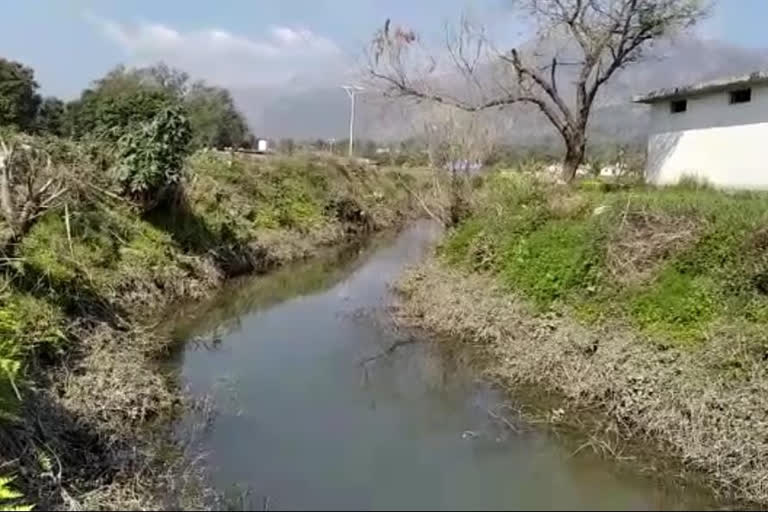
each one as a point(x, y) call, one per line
point(29, 186)
point(599, 38)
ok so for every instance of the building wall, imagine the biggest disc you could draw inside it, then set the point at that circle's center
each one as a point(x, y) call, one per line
point(725, 144)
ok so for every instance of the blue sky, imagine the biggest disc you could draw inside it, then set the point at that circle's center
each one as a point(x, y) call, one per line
point(249, 42)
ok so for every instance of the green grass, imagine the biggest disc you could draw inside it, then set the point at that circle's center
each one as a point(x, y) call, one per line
point(676, 305)
point(552, 261)
point(546, 243)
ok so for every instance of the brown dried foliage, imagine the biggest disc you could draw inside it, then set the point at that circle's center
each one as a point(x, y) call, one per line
point(644, 240)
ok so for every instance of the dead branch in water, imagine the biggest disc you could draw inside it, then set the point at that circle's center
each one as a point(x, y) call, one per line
point(504, 420)
point(390, 350)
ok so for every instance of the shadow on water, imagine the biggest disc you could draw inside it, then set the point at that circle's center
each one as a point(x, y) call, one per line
point(298, 427)
point(205, 323)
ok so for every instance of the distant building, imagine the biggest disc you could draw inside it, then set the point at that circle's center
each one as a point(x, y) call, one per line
point(714, 131)
point(464, 166)
point(262, 146)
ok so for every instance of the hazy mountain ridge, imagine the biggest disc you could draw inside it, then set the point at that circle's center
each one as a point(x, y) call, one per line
point(316, 107)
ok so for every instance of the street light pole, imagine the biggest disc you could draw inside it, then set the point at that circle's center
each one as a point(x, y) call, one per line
point(352, 91)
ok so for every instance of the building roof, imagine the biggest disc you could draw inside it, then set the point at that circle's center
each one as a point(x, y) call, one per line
point(720, 84)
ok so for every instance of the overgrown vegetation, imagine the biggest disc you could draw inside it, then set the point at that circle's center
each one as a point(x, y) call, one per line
point(77, 285)
point(646, 304)
point(676, 263)
point(112, 206)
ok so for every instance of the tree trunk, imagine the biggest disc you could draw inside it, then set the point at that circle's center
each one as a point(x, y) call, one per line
point(574, 157)
point(455, 213)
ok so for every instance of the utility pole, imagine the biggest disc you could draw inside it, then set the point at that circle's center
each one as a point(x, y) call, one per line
point(352, 91)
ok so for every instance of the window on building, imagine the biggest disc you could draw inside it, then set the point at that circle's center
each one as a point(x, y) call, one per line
point(741, 96)
point(678, 106)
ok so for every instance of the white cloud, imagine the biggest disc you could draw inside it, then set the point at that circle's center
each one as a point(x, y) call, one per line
point(221, 56)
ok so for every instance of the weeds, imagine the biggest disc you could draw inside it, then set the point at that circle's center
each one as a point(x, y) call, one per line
point(672, 262)
point(9, 498)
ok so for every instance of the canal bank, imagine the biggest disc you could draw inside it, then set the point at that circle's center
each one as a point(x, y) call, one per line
point(86, 413)
point(321, 402)
point(642, 307)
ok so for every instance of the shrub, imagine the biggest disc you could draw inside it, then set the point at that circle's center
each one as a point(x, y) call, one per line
point(693, 182)
point(151, 157)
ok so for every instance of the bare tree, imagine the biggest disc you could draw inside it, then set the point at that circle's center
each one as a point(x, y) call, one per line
point(600, 38)
point(29, 186)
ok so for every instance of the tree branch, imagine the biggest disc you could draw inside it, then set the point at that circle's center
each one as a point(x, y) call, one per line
point(554, 74)
point(523, 71)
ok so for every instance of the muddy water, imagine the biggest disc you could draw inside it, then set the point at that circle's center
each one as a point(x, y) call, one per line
point(302, 423)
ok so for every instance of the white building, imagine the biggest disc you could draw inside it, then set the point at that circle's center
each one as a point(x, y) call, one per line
point(714, 131)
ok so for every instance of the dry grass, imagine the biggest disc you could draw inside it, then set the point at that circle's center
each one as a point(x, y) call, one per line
point(644, 240)
point(97, 433)
point(707, 406)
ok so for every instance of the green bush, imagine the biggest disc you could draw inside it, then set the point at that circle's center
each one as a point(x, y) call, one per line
point(151, 156)
point(28, 324)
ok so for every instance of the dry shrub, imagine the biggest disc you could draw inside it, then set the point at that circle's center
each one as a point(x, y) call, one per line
point(644, 240)
point(565, 204)
point(706, 406)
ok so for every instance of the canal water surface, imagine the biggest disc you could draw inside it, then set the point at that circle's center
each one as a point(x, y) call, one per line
point(303, 422)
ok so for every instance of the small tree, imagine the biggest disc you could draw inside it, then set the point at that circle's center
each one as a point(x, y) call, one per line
point(214, 119)
point(600, 38)
point(109, 113)
point(287, 146)
point(457, 144)
point(151, 157)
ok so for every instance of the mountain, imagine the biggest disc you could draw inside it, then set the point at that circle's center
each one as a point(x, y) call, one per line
point(316, 106)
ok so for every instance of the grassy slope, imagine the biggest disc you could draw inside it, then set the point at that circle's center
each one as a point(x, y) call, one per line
point(675, 263)
point(85, 284)
point(647, 304)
